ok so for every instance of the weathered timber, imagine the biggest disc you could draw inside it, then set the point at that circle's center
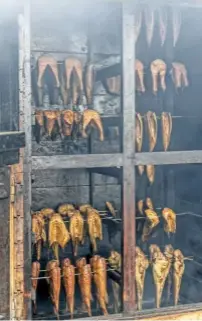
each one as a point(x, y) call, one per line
point(25, 125)
point(166, 158)
point(112, 172)
point(128, 103)
point(11, 141)
point(9, 158)
point(108, 72)
point(4, 244)
point(76, 161)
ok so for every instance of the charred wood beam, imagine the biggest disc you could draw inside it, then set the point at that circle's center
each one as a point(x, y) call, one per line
point(166, 158)
point(11, 141)
point(76, 161)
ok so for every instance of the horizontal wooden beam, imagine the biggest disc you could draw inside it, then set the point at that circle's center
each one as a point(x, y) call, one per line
point(108, 72)
point(11, 141)
point(76, 161)
point(166, 158)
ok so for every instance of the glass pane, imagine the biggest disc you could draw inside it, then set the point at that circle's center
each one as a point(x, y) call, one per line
point(168, 236)
point(86, 208)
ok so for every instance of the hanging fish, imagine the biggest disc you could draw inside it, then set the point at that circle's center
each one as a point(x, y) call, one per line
point(177, 22)
point(163, 24)
point(138, 22)
point(149, 20)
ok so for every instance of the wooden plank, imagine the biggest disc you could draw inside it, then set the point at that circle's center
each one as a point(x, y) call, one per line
point(76, 161)
point(25, 125)
point(4, 244)
point(9, 158)
point(128, 103)
point(166, 158)
point(108, 72)
point(11, 140)
point(112, 172)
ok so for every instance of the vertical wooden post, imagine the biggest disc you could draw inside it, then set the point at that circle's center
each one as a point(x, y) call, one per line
point(25, 125)
point(128, 104)
point(4, 242)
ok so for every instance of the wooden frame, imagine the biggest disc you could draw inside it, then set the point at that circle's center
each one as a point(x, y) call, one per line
point(127, 160)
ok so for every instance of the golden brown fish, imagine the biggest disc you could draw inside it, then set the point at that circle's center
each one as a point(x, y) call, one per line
point(68, 272)
point(85, 280)
point(160, 270)
point(92, 117)
point(67, 122)
point(168, 252)
point(43, 63)
point(53, 274)
point(140, 205)
point(100, 279)
point(166, 126)
point(38, 228)
point(179, 75)
point(111, 209)
point(149, 203)
point(51, 119)
point(138, 131)
point(178, 271)
point(115, 263)
point(158, 68)
point(83, 208)
point(47, 212)
point(39, 118)
point(141, 265)
point(94, 227)
point(152, 126)
point(152, 220)
point(150, 169)
point(170, 220)
point(35, 275)
point(64, 209)
point(139, 73)
point(76, 229)
point(58, 233)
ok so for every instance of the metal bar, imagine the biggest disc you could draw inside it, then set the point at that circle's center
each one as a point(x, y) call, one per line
point(76, 161)
point(166, 158)
point(128, 103)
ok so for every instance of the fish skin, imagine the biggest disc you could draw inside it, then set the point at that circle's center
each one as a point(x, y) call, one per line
point(35, 274)
point(170, 220)
point(166, 125)
point(176, 22)
point(178, 271)
point(150, 169)
point(85, 283)
point(152, 220)
point(141, 265)
point(138, 131)
point(138, 21)
point(68, 272)
point(163, 24)
point(139, 72)
point(152, 126)
point(158, 69)
point(53, 272)
point(149, 21)
point(100, 279)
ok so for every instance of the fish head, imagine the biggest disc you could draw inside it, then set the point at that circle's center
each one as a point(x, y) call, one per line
point(66, 262)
